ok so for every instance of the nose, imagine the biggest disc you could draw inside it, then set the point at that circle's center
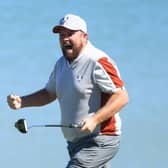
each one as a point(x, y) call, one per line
point(65, 38)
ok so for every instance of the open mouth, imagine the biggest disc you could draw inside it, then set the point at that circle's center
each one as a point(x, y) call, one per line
point(67, 46)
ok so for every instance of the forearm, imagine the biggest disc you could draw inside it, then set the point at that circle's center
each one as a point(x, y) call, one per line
point(115, 103)
point(39, 98)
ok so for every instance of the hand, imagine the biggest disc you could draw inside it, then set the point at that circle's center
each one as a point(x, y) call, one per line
point(14, 102)
point(88, 124)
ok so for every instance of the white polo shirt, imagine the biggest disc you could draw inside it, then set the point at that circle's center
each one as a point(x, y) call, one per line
point(82, 87)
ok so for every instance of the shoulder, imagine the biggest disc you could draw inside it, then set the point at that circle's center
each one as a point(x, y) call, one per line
point(60, 62)
point(97, 55)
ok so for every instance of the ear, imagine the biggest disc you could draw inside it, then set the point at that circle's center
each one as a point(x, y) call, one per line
point(85, 35)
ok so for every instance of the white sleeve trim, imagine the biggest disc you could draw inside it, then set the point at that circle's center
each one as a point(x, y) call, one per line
point(103, 80)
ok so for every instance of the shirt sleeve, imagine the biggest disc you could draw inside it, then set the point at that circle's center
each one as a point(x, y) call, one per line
point(51, 84)
point(106, 75)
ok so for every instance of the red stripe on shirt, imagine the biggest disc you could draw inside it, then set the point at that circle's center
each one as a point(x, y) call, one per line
point(108, 126)
point(112, 72)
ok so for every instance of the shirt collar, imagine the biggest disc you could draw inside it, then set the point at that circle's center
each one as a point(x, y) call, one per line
point(85, 49)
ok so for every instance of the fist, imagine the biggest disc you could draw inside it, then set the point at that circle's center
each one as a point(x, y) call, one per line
point(88, 124)
point(14, 101)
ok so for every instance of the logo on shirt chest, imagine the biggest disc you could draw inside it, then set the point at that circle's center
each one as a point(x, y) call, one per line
point(79, 77)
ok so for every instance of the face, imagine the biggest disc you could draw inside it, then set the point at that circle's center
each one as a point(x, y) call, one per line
point(72, 42)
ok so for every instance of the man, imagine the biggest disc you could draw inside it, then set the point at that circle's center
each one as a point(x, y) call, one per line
point(90, 92)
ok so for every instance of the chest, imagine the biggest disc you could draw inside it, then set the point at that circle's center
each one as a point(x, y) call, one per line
point(74, 80)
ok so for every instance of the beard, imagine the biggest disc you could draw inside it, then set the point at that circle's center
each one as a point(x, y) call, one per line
point(71, 53)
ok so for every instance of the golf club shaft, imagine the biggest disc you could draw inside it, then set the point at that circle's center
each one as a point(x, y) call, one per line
point(58, 125)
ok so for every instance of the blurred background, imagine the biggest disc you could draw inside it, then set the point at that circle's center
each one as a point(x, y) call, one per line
point(133, 32)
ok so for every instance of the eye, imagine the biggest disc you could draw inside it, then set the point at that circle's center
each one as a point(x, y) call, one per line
point(72, 32)
point(68, 33)
point(63, 34)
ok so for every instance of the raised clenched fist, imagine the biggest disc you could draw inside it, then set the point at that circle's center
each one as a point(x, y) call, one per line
point(14, 101)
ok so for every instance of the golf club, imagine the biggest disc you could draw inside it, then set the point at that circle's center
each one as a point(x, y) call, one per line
point(22, 126)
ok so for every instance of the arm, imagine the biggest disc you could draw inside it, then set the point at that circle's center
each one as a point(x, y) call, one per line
point(106, 76)
point(115, 103)
point(39, 98)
